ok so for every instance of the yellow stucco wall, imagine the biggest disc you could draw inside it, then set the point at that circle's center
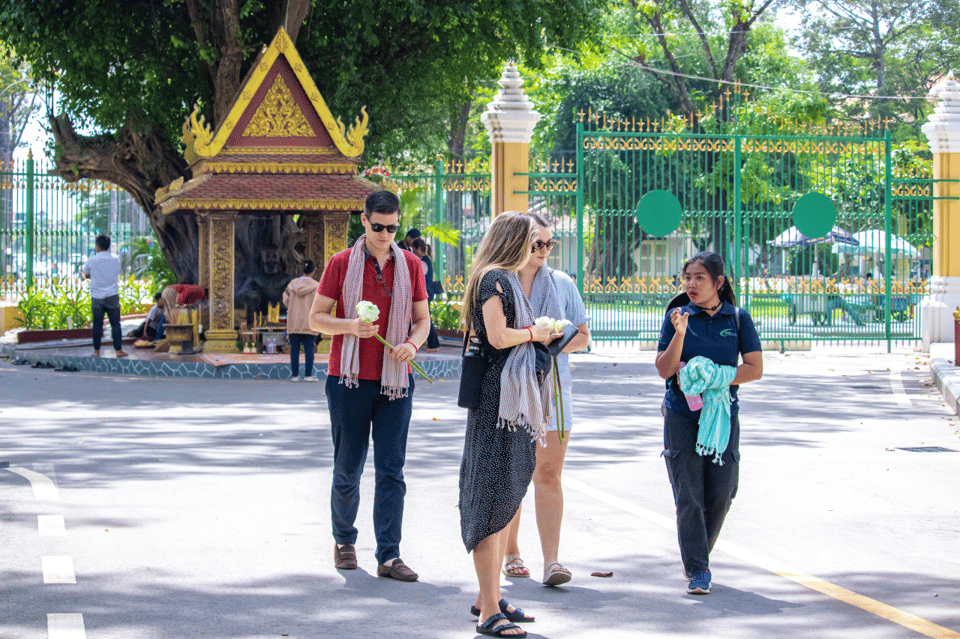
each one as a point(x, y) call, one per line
point(8, 316)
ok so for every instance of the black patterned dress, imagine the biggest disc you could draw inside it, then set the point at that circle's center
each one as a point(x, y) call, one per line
point(497, 463)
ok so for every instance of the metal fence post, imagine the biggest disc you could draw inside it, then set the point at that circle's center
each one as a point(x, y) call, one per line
point(31, 231)
point(580, 184)
point(438, 269)
point(738, 269)
point(887, 224)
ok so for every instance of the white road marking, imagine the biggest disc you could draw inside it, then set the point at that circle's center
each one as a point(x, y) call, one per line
point(58, 570)
point(896, 384)
point(46, 469)
point(43, 487)
point(65, 626)
point(51, 525)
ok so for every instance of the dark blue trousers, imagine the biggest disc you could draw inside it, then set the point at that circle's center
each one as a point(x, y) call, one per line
point(309, 343)
point(110, 306)
point(355, 415)
point(702, 489)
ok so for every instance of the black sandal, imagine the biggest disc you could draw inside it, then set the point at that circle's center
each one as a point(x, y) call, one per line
point(486, 628)
point(516, 615)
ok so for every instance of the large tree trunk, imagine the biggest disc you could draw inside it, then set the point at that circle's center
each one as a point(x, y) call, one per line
point(140, 161)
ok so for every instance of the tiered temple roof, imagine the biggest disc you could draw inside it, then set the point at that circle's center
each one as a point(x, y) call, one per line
point(279, 149)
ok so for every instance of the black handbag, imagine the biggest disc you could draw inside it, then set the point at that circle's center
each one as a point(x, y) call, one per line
point(474, 365)
point(544, 361)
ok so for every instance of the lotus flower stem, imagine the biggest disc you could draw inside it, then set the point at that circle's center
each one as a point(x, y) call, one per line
point(415, 366)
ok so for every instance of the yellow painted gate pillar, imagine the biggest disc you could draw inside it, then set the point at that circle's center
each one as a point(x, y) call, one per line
point(943, 132)
point(221, 334)
point(510, 119)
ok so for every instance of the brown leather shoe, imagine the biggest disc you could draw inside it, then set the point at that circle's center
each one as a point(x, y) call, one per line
point(345, 558)
point(397, 570)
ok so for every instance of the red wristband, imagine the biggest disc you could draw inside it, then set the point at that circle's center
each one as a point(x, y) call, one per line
point(415, 349)
point(531, 333)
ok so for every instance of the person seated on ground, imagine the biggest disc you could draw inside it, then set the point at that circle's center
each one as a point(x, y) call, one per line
point(148, 328)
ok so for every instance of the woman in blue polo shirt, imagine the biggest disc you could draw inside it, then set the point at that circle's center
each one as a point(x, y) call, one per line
point(703, 321)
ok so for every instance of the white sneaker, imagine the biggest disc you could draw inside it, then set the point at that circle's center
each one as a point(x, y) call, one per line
point(311, 379)
point(296, 379)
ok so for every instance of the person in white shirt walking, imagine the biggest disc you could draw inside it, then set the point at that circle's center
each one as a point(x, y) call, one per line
point(102, 270)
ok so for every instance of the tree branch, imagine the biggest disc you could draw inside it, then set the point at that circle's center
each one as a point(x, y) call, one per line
point(688, 12)
point(289, 14)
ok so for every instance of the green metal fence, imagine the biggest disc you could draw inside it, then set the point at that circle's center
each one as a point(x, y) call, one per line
point(457, 195)
point(731, 186)
point(48, 226)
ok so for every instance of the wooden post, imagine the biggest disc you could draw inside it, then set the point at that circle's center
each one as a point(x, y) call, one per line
point(335, 228)
point(221, 334)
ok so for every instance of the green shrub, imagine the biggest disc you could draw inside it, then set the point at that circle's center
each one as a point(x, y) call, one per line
point(66, 303)
point(35, 306)
point(446, 315)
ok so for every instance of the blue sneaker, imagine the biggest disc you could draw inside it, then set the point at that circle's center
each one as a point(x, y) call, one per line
point(700, 584)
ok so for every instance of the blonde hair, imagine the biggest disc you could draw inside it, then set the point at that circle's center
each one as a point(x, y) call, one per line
point(506, 245)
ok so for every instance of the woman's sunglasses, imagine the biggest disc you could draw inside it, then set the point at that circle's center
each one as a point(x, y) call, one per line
point(540, 244)
point(376, 228)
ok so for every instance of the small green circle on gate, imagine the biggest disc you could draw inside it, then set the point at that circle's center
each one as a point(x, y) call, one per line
point(814, 215)
point(658, 213)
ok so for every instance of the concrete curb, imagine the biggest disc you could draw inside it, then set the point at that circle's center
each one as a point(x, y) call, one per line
point(945, 374)
point(435, 368)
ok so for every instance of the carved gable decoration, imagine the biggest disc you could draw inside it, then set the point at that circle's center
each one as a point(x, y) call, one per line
point(279, 115)
point(279, 107)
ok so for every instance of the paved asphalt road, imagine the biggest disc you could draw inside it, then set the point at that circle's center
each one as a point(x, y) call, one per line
point(169, 508)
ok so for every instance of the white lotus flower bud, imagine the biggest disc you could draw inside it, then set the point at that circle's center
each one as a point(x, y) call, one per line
point(368, 311)
point(540, 321)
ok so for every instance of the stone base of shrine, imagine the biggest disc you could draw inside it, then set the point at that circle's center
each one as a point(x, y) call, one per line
point(221, 342)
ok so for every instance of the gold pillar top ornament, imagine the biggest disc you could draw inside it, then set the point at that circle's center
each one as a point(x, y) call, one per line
point(201, 142)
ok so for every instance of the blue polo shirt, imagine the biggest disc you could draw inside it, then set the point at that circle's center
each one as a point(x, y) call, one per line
point(715, 338)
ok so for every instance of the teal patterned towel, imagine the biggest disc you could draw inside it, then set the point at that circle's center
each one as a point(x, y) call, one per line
point(703, 377)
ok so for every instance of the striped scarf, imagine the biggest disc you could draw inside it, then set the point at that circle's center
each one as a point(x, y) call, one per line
point(524, 402)
point(544, 298)
point(393, 380)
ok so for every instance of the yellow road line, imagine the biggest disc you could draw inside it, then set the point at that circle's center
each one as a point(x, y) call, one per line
point(882, 610)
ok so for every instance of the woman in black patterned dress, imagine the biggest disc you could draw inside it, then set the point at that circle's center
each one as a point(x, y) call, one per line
point(499, 454)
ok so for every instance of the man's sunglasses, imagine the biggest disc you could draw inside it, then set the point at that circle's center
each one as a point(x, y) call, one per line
point(376, 228)
point(540, 244)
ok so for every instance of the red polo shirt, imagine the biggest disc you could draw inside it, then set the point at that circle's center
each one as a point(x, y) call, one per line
point(331, 285)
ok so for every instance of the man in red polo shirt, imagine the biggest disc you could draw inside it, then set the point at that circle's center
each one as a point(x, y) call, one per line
point(370, 386)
